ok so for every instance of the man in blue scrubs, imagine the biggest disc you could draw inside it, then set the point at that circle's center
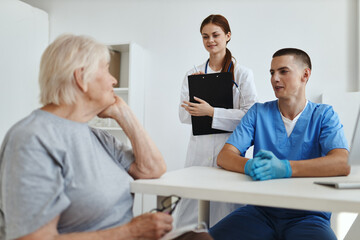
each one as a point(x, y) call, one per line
point(292, 137)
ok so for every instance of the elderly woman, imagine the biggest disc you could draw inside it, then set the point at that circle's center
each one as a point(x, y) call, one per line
point(60, 178)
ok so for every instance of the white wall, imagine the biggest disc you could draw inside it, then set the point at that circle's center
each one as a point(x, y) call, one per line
point(169, 31)
point(24, 34)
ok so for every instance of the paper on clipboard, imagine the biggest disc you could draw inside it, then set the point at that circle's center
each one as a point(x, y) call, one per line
point(215, 89)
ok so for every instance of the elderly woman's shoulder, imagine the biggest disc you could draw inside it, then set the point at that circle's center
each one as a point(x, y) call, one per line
point(23, 129)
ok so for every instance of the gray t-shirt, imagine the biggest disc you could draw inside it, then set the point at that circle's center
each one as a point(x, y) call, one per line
point(51, 166)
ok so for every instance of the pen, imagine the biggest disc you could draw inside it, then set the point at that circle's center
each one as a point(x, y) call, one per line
point(195, 69)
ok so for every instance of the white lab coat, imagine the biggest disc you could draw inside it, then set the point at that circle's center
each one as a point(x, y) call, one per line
point(203, 149)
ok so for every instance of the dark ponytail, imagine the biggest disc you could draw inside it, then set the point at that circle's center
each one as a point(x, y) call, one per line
point(227, 62)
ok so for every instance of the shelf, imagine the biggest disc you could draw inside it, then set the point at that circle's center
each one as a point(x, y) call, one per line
point(120, 47)
point(109, 128)
point(121, 90)
point(104, 123)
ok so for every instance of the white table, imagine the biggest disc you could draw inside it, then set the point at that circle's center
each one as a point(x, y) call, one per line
point(214, 184)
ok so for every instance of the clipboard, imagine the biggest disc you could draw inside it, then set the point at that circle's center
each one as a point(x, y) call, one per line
point(215, 89)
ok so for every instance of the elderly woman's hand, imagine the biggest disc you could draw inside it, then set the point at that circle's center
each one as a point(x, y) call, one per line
point(114, 110)
point(150, 225)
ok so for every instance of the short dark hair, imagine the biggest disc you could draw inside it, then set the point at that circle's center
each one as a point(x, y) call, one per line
point(299, 54)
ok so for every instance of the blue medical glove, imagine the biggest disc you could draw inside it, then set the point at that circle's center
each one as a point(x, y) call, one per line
point(248, 169)
point(270, 167)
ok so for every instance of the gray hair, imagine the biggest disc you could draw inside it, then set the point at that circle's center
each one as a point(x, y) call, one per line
point(60, 60)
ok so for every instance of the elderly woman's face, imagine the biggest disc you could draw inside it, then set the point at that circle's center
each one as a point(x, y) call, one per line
point(101, 90)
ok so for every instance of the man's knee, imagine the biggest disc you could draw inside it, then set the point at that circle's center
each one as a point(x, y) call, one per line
point(315, 228)
point(243, 223)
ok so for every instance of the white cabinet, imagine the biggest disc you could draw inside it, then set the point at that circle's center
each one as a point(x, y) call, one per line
point(126, 66)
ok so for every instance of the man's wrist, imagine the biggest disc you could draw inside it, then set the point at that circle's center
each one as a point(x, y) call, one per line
point(247, 166)
point(288, 169)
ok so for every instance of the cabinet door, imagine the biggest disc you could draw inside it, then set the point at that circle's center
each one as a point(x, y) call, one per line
point(136, 81)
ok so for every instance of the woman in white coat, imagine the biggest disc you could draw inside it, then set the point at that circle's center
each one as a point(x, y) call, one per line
point(203, 149)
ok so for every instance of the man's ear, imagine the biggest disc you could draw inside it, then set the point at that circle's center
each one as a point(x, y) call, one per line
point(306, 74)
point(79, 79)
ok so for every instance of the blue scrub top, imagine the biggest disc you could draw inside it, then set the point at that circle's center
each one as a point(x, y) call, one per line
point(317, 131)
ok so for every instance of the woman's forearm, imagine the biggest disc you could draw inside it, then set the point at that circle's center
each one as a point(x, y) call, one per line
point(149, 162)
